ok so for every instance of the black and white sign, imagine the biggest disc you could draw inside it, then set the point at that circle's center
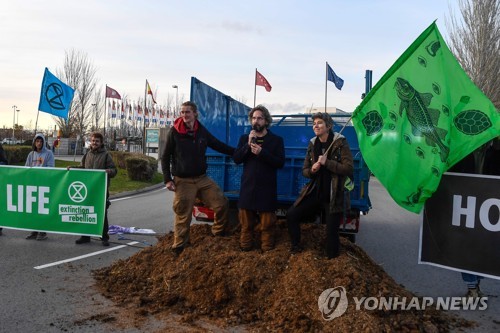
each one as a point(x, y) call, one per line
point(461, 225)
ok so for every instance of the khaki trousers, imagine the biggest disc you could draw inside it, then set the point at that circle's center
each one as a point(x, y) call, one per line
point(248, 219)
point(186, 192)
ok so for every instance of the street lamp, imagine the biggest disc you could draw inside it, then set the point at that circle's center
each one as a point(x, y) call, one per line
point(176, 94)
point(14, 121)
point(17, 122)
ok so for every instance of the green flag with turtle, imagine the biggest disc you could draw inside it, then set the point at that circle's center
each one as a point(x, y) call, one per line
point(422, 117)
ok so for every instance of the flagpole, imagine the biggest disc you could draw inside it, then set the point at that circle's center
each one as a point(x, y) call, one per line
point(255, 87)
point(326, 84)
point(144, 119)
point(36, 123)
point(105, 114)
point(340, 132)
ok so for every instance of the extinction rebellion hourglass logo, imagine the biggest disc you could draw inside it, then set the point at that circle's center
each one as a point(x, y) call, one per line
point(74, 213)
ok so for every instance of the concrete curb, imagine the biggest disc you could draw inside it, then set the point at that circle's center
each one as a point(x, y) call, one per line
point(135, 192)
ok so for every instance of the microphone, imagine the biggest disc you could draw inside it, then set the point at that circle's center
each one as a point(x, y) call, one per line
point(253, 140)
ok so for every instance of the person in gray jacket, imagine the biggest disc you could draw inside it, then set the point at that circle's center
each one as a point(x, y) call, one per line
point(40, 156)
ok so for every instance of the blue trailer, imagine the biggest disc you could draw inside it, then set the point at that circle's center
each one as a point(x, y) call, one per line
point(227, 119)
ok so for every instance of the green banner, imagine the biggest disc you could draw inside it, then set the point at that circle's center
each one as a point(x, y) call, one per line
point(53, 200)
point(422, 117)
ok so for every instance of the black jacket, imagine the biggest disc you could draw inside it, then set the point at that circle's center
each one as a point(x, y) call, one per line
point(184, 154)
point(258, 188)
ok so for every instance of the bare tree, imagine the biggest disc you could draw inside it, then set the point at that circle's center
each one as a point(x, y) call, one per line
point(80, 74)
point(97, 110)
point(475, 42)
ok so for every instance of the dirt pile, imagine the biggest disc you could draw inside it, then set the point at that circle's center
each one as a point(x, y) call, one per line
point(273, 291)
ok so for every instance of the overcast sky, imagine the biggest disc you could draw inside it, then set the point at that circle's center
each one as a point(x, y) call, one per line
point(219, 42)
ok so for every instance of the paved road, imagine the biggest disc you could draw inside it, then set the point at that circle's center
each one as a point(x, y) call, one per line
point(38, 296)
point(390, 235)
point(60, 298)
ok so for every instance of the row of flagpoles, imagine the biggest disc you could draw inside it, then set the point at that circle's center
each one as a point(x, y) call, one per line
point(56, 97)
point(150, 114)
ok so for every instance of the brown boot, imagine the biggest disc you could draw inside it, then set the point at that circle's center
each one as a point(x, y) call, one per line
point(268, 224)
point(247, 218)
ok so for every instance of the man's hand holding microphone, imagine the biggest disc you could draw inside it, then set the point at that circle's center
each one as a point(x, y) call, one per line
point(252, 142)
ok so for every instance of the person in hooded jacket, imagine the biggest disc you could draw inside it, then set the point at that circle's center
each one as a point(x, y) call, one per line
point(40, 156)
point(98, 158)
point(184, 169)
point(328, 163)
point(262, 154)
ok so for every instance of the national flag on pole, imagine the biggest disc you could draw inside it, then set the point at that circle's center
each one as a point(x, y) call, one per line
point(130, 111)
point(162, 117)
point(113, 110)
point(422, 117)
point(260, 80)
point(111, 93)
point(136, 112)
point(139, 112)
point(55, 96)
point(149, 91)
point(331, 76)
point(122, 115)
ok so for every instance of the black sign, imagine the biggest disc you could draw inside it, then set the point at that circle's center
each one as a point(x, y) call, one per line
point(461, 225)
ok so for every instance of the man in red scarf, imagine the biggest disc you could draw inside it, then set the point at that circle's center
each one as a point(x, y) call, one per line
point(184, 169)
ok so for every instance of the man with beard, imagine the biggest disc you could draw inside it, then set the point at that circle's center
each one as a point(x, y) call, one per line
point(262, 154)
point(97, 157)
point(184, 169)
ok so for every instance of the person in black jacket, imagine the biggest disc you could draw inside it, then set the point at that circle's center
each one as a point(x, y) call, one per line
point(184, 169)
point(262, 154)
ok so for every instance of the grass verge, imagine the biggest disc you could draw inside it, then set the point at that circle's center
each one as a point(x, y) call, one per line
point(120, 183)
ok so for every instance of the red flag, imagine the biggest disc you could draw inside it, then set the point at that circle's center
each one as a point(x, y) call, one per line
point(148, 88)
point(260, 80)
point(111, 93)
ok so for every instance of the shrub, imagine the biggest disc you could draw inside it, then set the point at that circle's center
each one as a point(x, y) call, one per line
point(120, 157)
point(17, 154)
point(141, 168)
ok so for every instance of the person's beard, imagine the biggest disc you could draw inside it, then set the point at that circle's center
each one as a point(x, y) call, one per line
point(257, 128)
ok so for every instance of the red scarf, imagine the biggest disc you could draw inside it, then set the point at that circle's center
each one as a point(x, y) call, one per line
point(181, 127)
